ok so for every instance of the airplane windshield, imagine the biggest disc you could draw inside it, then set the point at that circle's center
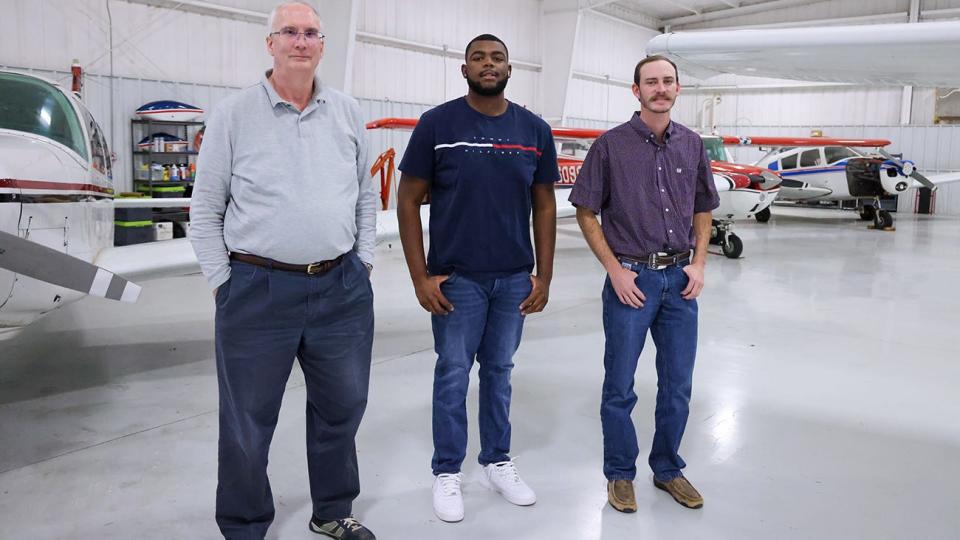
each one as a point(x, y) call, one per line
point(33, 106)
point(836, 153)
point(715, 149)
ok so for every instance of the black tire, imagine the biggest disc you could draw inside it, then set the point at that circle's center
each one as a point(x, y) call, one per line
point(762, 216)
point(733, 247)
point(867, 213)
point(882, 220)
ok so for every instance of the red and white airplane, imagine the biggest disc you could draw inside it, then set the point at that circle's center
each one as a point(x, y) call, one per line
point(830, 169)
point(744, 189)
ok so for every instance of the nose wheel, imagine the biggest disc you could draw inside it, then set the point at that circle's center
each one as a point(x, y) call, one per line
point(882, 220)
point(730, 244)
point(762, 216)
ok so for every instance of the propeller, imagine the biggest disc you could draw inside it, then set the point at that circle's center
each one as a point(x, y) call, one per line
point(907, 169)
point(51, 266)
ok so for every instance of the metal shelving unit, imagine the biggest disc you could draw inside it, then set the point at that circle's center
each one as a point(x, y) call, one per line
point(140, 128)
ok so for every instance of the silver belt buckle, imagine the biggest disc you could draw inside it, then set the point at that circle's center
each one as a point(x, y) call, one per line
point(652, 261)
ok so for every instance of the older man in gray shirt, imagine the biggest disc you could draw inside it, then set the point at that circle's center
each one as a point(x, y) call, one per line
point(283, 224)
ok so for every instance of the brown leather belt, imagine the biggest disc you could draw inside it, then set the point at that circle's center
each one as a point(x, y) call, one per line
point(654, 261)
point(311, 269)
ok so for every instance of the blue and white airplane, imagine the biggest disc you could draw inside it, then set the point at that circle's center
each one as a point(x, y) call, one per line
point(820, 168)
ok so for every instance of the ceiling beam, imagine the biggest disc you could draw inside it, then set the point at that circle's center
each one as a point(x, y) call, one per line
point(725, 13)
point(207, 8)
point(683, 6)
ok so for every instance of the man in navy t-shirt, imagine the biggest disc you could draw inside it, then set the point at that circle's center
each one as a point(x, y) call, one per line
point(485, 163)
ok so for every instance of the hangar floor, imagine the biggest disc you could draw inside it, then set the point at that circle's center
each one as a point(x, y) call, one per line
point(825, 405)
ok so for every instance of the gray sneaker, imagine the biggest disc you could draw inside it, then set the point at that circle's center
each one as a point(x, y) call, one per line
point(341, 529)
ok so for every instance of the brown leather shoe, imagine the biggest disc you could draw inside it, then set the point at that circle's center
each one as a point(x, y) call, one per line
point(620, 494)
point(682, 491)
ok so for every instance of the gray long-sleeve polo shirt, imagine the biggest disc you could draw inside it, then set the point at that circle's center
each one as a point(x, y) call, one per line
point(279, 183)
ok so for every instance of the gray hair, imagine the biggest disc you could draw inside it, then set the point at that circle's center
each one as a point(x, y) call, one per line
point(273, 12)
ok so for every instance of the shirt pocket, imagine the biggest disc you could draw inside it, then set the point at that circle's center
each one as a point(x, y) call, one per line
point(685, 193)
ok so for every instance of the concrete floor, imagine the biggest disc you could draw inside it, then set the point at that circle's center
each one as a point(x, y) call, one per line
point(825, 404)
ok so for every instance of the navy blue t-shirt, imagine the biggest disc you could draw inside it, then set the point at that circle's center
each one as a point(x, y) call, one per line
point(481, 169)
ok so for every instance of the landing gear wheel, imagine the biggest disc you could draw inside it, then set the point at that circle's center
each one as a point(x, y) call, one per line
point(733, 247)
point(716, 237)
point(867, 213)
point(762, 216)
point(882, 220)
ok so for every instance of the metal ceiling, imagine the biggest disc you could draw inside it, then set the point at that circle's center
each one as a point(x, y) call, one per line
point(659, 14)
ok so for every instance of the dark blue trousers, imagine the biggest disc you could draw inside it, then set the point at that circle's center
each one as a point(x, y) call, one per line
point(264, 319)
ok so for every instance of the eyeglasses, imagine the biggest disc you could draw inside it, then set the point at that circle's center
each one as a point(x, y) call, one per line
point(290, 34)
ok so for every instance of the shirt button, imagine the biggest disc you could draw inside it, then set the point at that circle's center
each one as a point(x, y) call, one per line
point(662, 190)
point(659, 168)
point(670, 231)
point(666, 209)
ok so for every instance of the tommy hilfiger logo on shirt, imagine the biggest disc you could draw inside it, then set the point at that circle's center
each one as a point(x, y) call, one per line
point(489, 145)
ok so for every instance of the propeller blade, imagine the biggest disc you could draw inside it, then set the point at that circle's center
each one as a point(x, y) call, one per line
point(908, 170)
point(51, 266)
point(923, 180)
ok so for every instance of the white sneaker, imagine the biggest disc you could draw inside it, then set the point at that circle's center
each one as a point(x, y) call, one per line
point(447, 497)
point(504, 479)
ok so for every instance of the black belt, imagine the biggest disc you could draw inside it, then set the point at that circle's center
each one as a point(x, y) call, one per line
point(655, 261)
point(311, 269)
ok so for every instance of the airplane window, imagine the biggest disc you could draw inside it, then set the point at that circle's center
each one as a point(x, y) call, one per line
point(98, 145)
point(715, 149)
point(33, 106)
point(789, 162)
point(836, 153)
point(810, 158)
point(574, 148)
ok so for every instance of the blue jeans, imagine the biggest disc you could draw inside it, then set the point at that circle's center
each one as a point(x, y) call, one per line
point(672, 321)
point(486, 323)
point(264, 319)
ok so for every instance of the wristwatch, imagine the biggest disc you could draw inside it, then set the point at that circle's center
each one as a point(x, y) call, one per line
point(368, 265)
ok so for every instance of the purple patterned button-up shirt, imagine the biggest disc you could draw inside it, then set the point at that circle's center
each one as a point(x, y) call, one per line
point(645, 192)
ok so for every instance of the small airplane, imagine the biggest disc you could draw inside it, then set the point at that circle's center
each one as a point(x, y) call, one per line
point(830, 169)
point(57, 209)
point(744, 190)
point(911, 54)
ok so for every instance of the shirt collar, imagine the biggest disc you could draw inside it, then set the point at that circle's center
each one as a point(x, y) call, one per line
point(275, 98)
point(641, 128)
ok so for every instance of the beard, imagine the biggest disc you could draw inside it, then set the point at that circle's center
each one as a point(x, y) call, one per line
point(488, 91)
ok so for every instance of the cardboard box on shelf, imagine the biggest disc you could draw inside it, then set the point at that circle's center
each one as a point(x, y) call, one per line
point(163, 231)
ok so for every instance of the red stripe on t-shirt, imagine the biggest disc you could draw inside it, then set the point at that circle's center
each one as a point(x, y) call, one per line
point(518, 147)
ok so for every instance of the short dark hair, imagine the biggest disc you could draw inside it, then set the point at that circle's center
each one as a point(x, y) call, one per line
point(653, 58)
point(485, 37)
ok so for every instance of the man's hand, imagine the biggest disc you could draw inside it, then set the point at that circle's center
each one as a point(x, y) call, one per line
point(429, 295)
point(695, 273)
point(538, 298)
point(626, 288)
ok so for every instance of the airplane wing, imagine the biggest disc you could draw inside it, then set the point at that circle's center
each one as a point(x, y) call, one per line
point(918, 54)
point(151, 260)
point(939, 179)
point(148, 202)
point(783, 142)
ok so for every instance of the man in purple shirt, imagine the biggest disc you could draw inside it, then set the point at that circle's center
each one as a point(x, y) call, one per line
point(650, 181)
